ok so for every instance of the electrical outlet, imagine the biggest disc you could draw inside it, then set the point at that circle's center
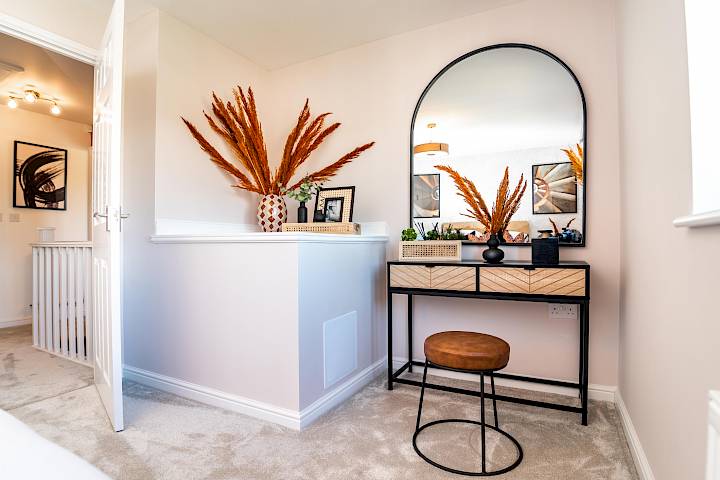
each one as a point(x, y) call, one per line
point(14, 218)
point(562, 311)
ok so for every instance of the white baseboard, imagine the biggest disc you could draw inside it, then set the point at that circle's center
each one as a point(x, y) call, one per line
point(641, 462)
point(604, 393)
point(262, 410)
point(15, 322)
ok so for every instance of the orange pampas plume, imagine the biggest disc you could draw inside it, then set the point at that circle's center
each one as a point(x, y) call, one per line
point(239, 126)
point(505, 206)
point(576, 161)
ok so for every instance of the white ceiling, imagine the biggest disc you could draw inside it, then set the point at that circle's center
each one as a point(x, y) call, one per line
point(52, 75)
point(277, 33)
point(502, 100)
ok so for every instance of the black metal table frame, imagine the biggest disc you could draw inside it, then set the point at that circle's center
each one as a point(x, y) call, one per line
point(583, 318)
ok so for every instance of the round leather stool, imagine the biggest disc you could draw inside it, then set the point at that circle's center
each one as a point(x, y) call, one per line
point(467, 352)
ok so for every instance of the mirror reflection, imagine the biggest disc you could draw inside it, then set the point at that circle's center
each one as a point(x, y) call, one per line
point(506, 106)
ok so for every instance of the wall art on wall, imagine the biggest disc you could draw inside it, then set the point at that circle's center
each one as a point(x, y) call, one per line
point(554, 188)
point(336, 203)
point(426, 195)
point(40, 177)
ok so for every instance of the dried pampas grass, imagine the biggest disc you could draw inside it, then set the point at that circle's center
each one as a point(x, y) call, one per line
point(239, 126)
point(576, 161)
point(504, 207)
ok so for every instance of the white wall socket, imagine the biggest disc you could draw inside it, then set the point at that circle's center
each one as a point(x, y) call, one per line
point(14, 218)
point(562, 311)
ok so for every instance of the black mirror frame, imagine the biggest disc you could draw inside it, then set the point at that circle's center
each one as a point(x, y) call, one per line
point(585, 141)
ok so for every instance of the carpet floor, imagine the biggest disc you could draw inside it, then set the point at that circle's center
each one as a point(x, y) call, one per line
point(368, 437)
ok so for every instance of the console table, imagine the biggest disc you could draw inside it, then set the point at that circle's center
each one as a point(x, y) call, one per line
point(567, 282)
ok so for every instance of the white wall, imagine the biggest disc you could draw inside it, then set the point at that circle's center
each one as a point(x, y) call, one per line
point(669, 348)
point(190, 67)
point(72, 224)
point(373, 89)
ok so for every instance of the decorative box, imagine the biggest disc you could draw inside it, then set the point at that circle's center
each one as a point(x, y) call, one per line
point(433, 250)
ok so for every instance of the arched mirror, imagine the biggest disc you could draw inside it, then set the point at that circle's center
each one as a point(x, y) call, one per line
point(514, 106)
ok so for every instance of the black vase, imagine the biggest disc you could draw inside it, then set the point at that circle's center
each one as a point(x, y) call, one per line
point(302, 213)
point(493, 254)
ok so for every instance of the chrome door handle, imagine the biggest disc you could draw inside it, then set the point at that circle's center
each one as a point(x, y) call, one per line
point(105, 216)
point(122, 216)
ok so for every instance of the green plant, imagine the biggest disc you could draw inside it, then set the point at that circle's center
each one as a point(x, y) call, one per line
point(408, 235)
point(304, 192)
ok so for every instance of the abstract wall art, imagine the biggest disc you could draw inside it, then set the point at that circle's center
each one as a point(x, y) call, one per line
point(40, 177)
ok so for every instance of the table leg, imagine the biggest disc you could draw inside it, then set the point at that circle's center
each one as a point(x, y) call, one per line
point(586, 347)
point(390, 341)
point(410, 331)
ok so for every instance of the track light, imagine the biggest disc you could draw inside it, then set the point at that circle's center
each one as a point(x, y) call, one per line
point(55, 109)
point(12, 103)
point(31, 96)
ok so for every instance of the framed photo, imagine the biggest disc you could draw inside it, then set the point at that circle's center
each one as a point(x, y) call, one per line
point(39, 177)
point(554, 188)
point(336, 203)
point(426, 195)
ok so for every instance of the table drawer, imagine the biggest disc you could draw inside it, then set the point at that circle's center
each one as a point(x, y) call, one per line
point(504, 280)
point(558, 281)
point(435, 277)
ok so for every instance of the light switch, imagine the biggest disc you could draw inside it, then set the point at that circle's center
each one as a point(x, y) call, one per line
point(14, 218)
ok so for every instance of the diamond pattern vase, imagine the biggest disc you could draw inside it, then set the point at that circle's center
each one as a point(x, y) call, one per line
point(271, 212)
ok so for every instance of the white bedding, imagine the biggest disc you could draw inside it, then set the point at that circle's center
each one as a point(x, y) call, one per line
point(26, 455)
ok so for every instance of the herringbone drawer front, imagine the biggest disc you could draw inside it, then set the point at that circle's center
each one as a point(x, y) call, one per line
point(558, 281)
point(409, 276)
point(453, 278)
point(504, 280)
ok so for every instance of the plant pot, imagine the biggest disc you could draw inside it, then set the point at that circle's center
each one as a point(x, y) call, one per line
point(493, 254)
point(271, 213)
point(302, 213)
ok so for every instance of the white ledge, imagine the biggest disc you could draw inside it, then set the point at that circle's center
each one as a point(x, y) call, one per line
point(262, 237)
point(62, 243)
point(698, 220)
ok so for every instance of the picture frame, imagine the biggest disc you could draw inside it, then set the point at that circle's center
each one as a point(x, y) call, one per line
point(39, 176)
point(554, 189)
point(346, 195)
point(333, 209)
point(426, 195)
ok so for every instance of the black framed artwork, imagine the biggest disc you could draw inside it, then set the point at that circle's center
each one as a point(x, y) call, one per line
point(554, 188)
point(39, 176)
point(426, 195)
point(336, 203)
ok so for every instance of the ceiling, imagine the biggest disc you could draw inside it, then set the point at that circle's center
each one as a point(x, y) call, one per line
point(51, 74)
point(277, 33)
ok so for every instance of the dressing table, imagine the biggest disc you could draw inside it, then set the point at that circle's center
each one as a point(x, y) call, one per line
point(515, 281)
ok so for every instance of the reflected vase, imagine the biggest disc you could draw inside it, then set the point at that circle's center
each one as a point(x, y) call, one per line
point(493, 254)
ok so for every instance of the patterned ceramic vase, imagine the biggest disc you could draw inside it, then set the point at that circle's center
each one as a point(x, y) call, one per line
point(271, 213)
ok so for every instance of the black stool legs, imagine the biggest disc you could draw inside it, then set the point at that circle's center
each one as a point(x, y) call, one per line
point(419, 428)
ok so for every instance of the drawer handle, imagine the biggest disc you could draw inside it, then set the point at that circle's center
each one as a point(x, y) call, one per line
point(528, 268)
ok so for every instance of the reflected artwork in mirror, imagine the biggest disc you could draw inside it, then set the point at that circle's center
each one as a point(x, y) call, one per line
point(510, 105)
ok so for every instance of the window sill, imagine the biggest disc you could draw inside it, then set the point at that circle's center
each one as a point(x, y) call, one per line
point(698, 220)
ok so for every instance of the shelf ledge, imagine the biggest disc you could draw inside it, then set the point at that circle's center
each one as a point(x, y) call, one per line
point(262, 237)
point(698, 220)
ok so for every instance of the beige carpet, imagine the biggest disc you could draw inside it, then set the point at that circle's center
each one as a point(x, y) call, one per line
point(368, 437)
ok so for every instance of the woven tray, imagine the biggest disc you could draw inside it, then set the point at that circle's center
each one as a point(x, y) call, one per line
point(431, 250)
point(343, 228)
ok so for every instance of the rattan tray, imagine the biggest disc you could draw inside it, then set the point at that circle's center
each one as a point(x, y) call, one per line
point(431, 250)
point(343, 228)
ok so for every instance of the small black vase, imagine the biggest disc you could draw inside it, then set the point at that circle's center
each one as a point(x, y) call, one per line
point(493, 254)
point(302, 213)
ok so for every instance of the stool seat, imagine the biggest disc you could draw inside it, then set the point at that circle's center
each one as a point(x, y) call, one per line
point(467, 351)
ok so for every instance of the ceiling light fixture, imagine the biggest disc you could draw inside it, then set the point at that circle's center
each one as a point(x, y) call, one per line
point(31, 96)
point(431, 149)
point(12, 103)
point(55, 109)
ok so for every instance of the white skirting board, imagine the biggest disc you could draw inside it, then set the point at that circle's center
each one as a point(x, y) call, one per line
point(641, 462)
point(264, 411)
point(595, 392)
point(15, 322)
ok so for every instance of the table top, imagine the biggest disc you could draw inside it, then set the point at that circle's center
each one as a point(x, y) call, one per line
point(481, 263)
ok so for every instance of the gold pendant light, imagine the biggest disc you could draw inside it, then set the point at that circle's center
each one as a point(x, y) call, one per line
point(431, 149)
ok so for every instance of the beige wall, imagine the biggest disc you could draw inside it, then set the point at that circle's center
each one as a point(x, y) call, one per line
point(669, 349)
point(15, 253)
point(373, 89)
point(191, 66)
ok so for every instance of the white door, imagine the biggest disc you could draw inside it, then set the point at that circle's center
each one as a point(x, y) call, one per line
point(107, 247)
